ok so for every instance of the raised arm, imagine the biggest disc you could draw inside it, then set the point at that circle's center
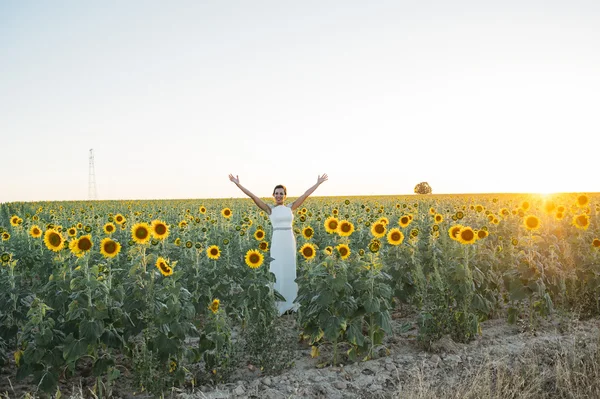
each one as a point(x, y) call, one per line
point(296, 204)
point(260, 203)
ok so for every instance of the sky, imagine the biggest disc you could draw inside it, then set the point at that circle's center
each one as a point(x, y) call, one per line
point(469, 96)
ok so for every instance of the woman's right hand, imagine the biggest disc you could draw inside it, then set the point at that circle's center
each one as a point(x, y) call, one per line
point(234, 179)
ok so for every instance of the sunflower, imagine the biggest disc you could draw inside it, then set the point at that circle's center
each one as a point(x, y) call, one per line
point(378, 230)
point(189, 244)
point(214, 306)
point(14, 221)
point(5, 258)
point(109, 248)
point(54, 240)
point(454, 230)
point(35, 231)
point(404, 221)
point(346, 228)
point(531, 222)
point(82, 245)
point(395, 236)
point(202, 209)
point(328, 250)
point(140, 233)
point(263, 246)
point(160, 230)
point(525, 205)
point(72, 231)
point(481, 234)
point(384, 220)
point(226, 212)
point(308, 232)
point(254, 258)
point(466, 236)
point(596, 243)
point(581, 221)
point(438, 218)
point(183, 224)
point(213, 252)
point(308, 251)
point(5, 236)
point(343, 250)
point(109, 228)
point(178, 241)
point(549, 207)
point(119, 219)
point(163, 265)
point(582, 200)
point(374, 246)
point(559, 215)
point(259, 234)
point(432, 211)
point(331, 224)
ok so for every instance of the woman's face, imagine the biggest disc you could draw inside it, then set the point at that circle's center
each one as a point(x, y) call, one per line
point(279, 196)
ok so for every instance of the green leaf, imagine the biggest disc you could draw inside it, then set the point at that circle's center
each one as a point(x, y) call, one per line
point(384, 321)
point(372, 305)
point(47, 381)
point(77, 284)
point(332, 328)
point(354, 334)
point(517, 291)
point(101, 366)
point(74, 350)
point(90, 330)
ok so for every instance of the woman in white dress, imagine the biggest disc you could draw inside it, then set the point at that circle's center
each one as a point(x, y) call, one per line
point(283, 242)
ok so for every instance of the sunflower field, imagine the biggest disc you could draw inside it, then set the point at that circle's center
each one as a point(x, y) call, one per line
point(163, 288)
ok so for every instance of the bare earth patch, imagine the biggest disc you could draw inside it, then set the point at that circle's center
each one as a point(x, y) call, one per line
point(560, 357)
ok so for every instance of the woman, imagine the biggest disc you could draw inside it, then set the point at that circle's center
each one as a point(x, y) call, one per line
point(283, 242)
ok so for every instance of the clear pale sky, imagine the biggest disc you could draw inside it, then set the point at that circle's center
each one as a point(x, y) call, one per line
point(470, 96)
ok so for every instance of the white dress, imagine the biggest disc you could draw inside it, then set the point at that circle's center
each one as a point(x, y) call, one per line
point(283, 251)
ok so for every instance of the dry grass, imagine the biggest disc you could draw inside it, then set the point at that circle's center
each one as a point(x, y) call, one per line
point(560, 369)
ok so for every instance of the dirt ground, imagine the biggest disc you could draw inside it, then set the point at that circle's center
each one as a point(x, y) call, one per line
point(404, 363)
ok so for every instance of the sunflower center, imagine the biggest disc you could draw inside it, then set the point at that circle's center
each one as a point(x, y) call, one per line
point(110, 247)
point(84, 244)
point(379, 229)
point(395, 236)
point(54, 239)
point(141, 233)
point(532, 222)
point(343, 251)
point(467, 235)
point(214, 251)
point(345, 227)
point(254, 258)
point(160, 229)
point(307, 251)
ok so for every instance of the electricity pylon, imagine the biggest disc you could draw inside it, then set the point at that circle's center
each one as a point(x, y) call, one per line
point(92, 194)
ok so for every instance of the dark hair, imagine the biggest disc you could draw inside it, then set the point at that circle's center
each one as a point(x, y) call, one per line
point(280, 186)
